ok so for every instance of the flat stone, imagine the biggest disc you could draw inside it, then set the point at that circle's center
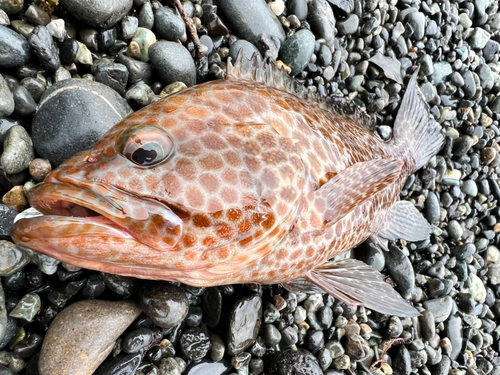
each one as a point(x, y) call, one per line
point(82, 336)
point(98, 13)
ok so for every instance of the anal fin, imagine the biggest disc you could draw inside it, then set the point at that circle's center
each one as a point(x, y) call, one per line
point(352, 186)
point(405, 222)
point(356, 283)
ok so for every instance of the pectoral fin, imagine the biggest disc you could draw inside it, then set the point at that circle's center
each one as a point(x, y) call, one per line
point(353, 186)
point(405, 222)
point(356, 283)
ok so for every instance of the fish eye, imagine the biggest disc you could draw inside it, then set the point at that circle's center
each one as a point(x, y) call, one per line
point(145, 145)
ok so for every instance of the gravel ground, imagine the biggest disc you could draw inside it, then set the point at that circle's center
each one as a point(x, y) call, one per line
point(58, 62)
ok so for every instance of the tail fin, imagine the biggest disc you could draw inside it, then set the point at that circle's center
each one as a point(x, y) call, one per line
point(415, 130)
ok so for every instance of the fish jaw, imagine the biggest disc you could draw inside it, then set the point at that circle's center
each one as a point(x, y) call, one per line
point(97, 210)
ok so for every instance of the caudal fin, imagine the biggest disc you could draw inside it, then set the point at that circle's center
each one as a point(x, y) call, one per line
point(415, 130)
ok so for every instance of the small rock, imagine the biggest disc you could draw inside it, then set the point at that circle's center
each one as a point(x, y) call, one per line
point(297, 50)
point(129, 26)
point(292, 362)
point(439, 307)
point(15, 48)
point(140, 44)
point(18, 150)
point(248, 50)
point(195, 343)
point(146, 16)
point(44, 48)
point(6, 99)
point(27, 307)
point(173, 62)
point(113, 75)
point(12, 258)
point(168, 25)
point(348, 26)
point(98, 13)
point(478, 38)
point(477, 289)
point(15, 198)
point(245, 318)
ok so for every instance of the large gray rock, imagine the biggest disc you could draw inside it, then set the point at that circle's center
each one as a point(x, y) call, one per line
point(297, 50)
point(173, 62)
point(248, 19)
point(72, 116)
point(98, 13)
point(14, 48)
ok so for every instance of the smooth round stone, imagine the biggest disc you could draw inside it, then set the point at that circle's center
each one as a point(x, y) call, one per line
point(394, 328)
point(7, 104)
point(137, 339)
point(83, 334)
point(28, 346)
point(139, 95)
point(18, 150)
point(289, 337)
point(168, 25)
point(113, 75)
point(61, 128)
point(24, 103)
point(165, 304)
point(94, 287)
point(463, 251)
point(371, 255)
point(173, 62)
point(140, 43)
point(249, 19)
point(195, 343)
point(321, 19)
point(146, 16)
point(401, 270)
point(98, 13)
point(248, 50)
point(299, 8)
point(218, 348)
point(209, 367)
point(348, 26)
point(11, 257)
point(477, 288)
point(36, 15)
point(324, 55)
point(432, 209)
point(11, 6)
point(402, 362)
point(297, 50)
point(138, 71)
point(478, 38)
point(417, 22)
point(441, 71)
point(129, 25)
point(292, 362)
point(443, 367)
point(427, 325)
point(15, 48)
point(36, 86)
point(121, 364)
point(439, 307)
point(245, 318)
point(270, 335)
point(454, 229)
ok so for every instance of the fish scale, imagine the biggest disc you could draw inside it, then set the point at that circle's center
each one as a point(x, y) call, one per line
point(248, 179)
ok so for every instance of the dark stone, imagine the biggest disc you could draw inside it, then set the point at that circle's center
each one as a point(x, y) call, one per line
point(113, 75)
point(165, 304)
point(121, 285)
point(61, 128)
point(299, 8)
point(7, 215)
point(98, 13)
point(107, 38)
point(245, 318)
point(94, 287)
point(348, 26)
point(168, 25)
point(342, 7)
point(321, 19)
point(401, 270)
point(24, 103)
point(28, 346)
point(121, 364)
point(137, 339)
point(44, 48)
point(401, 364)
point(292, 362)
point(173, 62)
point(249, 19)
point(297, 50)
point(195, 343)
point(212, 306)
point(248, 50)
point(15, 49)
point(138, 71)
point(215, 26)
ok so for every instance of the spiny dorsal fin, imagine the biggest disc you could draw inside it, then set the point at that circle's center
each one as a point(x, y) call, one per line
point(265, 71)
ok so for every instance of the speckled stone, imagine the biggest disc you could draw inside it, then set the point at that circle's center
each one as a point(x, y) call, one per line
point(18, 150)
point(83, 335)
point(15, 48)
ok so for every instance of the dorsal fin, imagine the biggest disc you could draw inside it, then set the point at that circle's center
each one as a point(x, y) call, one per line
point(265, 71)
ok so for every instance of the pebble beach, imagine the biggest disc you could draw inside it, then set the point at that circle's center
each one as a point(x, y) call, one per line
point(71, 69)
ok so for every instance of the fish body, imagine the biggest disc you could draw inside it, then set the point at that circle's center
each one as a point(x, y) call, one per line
point(236, 181)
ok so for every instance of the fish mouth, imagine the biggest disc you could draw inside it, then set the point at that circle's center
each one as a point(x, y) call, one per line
point(94, 209)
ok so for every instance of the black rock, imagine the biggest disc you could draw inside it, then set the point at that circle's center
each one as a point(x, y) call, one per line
point(10, 331)
point(165, 304)
point(138, 71)
point(195, 343)
point(194, 316)
point(35, 87)
point(7, 215)
point(401, 270)
point(342, 7)
point(113, 75)
point(15, 49)
point(28, 346)
point(94, 287)
point(292, 362)
point(121, 364)
point(245, 318)
point(107, 38)
point(25, 105)
point(248, 19)
point(44, 48)
point(321, 19)
point(401, 364)
point(61, 128)
point(121, 285)
point(98, 13)
point(173, 62)
point(443, 367)
point(464, 251)
point(212, 306)
point(137, 339)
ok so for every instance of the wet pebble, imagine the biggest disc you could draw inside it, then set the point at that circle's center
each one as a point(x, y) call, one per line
point(98, 13)
point(195, 343)
point(349, 25)
point(140, 44)
point(297, 50)
point(173, 62)
point(113, 75)
point(245, 319)
point(18, 150)
point(292, 362)
point(27, 307)
point(137, 339)
point(15, 48)
point(320, 17)
point(168, 25)
point(248, 49)
point(165, 304)
point(440, 308)
point(58, 120)
point(121, 364)
point(44, 48)
point(11, 257)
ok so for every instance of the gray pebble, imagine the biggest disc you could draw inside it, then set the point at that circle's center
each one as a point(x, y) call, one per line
point(129, 25)
point(18, 150)
point(15, 48)
point(455, 230)
point(321, 19)
point(173, 62)
point(417, 22)
point(440, 308)
point(12, 258)
point(146, 16)
point(168, 25)
point(6, 99)
point(296, 52)
point(113, 75)
point(139, 95)
point(248, 50)
point(44, 48)
point(348, 26)
point(98, 13)
point(270, 335)
point(478, 38)
point(27, 307)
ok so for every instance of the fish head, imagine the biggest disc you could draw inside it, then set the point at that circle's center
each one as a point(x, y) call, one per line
point(168, 187)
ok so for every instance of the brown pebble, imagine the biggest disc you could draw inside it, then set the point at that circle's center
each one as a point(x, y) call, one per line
point(365, 329)
point(279, 302)
point(15, 198)
point(488, 154)
point(39, 169)
point(82, 336)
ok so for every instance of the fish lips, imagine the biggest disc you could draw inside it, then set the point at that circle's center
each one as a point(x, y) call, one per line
point(97, 209)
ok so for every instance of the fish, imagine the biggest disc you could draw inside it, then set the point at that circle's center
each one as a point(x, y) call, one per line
point(249, 179)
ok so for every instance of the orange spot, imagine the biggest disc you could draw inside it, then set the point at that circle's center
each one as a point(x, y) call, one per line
point(190, 255)
point(224, 231)
point(296, 254)
point(180, 265)
point(209, 182)
point(201, 220)
point(172, 186)
point(230, 177)
point(310, 252)
point(209, 241)
point(281, 254)
point(233, 214)
point(196, 111)
point(244, 226)
point(151, 182)
point(223, 253)
point(211, 162)
point(245, 241)
point(213, 142)
point(229, 195)
point(189, 240)
point(186, 169)
point(194, 196)
point(271, 273)
point(232, 158)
